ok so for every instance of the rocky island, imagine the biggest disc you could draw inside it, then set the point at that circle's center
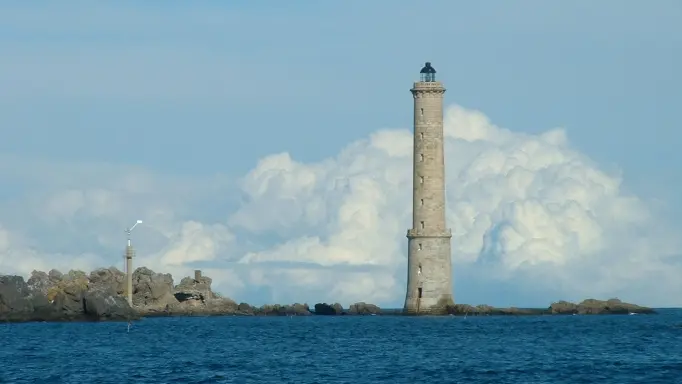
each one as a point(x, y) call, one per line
point(100, 295)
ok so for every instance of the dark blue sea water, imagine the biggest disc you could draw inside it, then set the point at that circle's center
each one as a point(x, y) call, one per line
point(373, 349)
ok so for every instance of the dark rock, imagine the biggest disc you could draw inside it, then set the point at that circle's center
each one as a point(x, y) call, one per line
point(245, 308)
point(221, 305)
point(271, 310)
point(611, 306)
point(563, 308)
point(327, 310)
point(285, 310)
point(18, 303)
point(76, 302)
point(297, 309)
point(43, 310)
point(362, 308)
point(71, 300)
point(486, 310)
point(68, 303)
point(15, 303)
point(190, 297)
point(107, 305)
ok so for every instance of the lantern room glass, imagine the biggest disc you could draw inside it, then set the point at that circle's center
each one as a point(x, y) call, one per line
point(428, 77)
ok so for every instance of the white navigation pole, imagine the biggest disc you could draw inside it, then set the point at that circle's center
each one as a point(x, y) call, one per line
point(130, 252)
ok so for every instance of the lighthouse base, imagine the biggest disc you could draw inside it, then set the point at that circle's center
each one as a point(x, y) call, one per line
point(416, 306)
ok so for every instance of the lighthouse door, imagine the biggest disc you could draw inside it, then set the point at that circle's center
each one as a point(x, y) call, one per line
point(419, 298)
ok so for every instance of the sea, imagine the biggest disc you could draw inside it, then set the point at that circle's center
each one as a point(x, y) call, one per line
point(349, 349)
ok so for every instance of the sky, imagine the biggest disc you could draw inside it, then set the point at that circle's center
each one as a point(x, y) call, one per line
point(268, 143)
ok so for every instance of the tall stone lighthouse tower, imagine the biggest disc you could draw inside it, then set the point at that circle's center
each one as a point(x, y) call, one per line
point(429, 265)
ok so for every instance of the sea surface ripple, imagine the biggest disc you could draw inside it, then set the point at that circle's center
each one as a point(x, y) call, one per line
point(348, 349)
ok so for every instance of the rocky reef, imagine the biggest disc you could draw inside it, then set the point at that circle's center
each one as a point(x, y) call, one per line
point(100, 295)
point(585, 307)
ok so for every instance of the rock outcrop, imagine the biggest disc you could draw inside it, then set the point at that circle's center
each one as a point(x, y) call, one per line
point(597, 307)
point(486, 310)
point(194, 291)
point(295, 309)
point(193, 296)
point(152, 291)
point(586, 307)
point(110, 278)
point(70, 298)
point(18, 303)
point(362, 308)
point(42, 282)
point(329, 309)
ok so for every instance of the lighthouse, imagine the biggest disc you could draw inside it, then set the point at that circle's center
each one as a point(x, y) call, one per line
point(429, 265)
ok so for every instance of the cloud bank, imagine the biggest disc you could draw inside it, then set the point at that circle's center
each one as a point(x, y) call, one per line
point(533, 220)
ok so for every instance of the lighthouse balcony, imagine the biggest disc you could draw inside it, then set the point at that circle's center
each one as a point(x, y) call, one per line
point(428, 84)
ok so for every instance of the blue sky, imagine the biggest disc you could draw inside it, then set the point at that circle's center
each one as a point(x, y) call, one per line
point(171, 109)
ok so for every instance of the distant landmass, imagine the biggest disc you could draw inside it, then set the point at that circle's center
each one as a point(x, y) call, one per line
point(100, 296)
